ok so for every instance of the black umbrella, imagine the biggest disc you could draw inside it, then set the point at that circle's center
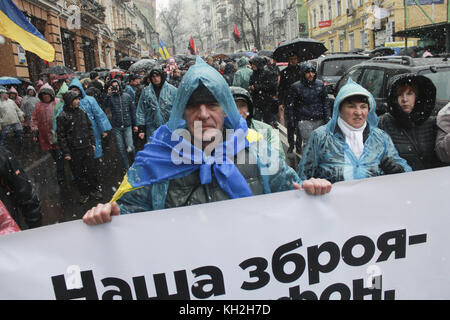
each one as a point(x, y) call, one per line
point(126, 62)
point(266, 53)
point(382, 51)
point(304, 48)
point(58, 70)
point(143, 65)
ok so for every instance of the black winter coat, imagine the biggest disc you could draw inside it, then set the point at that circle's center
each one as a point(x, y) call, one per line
point(265, 90)
point(307, 101)
point(288, 77)
point(413, 134)
point(17, 192)
point(123, 110)
point(74, 130)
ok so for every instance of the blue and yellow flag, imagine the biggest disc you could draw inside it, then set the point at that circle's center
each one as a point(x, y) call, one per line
point(14, 25)
point(163, 50)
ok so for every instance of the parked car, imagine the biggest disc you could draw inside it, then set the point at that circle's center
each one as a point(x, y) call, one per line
point(375, 75)
point(331, 67)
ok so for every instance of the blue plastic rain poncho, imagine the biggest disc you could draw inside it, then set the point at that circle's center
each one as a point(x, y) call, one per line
point(146, 185)
point(152, 111)
point(327, 154)
point(99, 120)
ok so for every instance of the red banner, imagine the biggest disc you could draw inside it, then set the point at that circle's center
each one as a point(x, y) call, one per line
point(324, 24)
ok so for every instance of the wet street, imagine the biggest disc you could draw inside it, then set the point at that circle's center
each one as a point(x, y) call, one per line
point(60, 203)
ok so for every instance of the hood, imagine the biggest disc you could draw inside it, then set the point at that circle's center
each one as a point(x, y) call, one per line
point(13, 90)
point(76, 83)
point(64, 88)
point(229, 68)
point(215, 83)
point(242, 93)
point(159, 71)
point(351, 89)
point(425, 100)
point(308, 67)
point(46, 88)
point(68, 97)
point(120, 85)
point(259, 62)
point(242, 62)
point(31, 88)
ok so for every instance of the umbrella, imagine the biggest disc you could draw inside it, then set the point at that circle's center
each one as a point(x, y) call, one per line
point(23, 80)
point(9, 80)
point(59, 70)
point(101, 69)
point(143, 65)
point(410, 51)
point(126, 62)
point(304, 48)
point(221, 56)
point(267, 53)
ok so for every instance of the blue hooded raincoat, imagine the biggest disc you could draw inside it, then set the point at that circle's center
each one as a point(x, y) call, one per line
point(153, 112)
point(327, 155)
point(146, 184)
point(99, 120)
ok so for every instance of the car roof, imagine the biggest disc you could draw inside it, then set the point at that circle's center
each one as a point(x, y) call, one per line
point(335, 56)
point(405, 62)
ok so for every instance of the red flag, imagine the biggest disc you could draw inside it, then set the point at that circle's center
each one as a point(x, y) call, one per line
point(236, 35)
point(191, 46)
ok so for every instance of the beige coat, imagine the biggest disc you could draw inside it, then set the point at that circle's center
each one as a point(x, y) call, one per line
point(10, 113)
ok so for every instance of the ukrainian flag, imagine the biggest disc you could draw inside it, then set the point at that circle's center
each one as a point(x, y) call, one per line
point(163, 50)
point(14, 25)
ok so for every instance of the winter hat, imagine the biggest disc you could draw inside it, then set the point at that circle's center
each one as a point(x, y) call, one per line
point(242, 94)
point(69, 96)
point(201, 95)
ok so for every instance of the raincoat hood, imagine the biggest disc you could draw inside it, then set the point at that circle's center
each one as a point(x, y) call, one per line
point(68, 97)
point(229, 68)
point(259, 62)
point(13, 90)
point(425, 100)
point(348, 90)
point(47, 89)
point(120, 85)
point(64, 88)
point(242, 62)
point(159, 71)
point(76, 83)
point(31, 88)
point(215, 83)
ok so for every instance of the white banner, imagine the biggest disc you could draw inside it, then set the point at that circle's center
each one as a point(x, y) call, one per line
point(378, 238)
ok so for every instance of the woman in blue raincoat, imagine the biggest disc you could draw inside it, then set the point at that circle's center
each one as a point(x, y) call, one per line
point(99, 120)
point(172, 171)
point(350, 146)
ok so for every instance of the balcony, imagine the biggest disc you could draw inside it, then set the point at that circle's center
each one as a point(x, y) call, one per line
point(221, 8)
point(92, 12)
point(126, 36)
point(276, 16)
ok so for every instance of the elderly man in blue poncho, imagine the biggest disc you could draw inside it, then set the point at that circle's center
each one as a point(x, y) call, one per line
point(204, 153)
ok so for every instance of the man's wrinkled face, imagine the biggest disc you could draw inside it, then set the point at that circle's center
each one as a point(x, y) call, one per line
point(406, 97)
point(354, 113)
point(204, 121)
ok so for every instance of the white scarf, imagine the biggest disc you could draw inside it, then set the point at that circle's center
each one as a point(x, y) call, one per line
point(353, 137)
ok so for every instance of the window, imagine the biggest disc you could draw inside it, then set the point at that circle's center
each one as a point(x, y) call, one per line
point(351, 41)
point(361, 39)
point(354, 75)
point(330, 13)
point(331, 48)
point(372, 80)
point(321, 13)
point(69, 49)
point(314, 19)
point(441, 79)
point(339, 7)
point(337, 67)
point(341, 45)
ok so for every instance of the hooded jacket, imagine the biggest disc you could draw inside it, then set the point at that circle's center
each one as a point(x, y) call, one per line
point(29, 103)
point(18, 99)
point(42, 118)
point(123, 109)
point(154, 182)
point(413, 134)
point(74, 128)
point(443, 134)
point(307, 100)
point(154, 111)
point(327, 155)
point(10, 113)
point(242, 76)
point(17, 192)
point(100, 122)
point(228, 73)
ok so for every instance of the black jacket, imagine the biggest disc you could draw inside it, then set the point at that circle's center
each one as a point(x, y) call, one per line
point(123, 110)
point(74, 130)
point(288, 77)
point(17, 192)
point(413, 134)
point(307, 100)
